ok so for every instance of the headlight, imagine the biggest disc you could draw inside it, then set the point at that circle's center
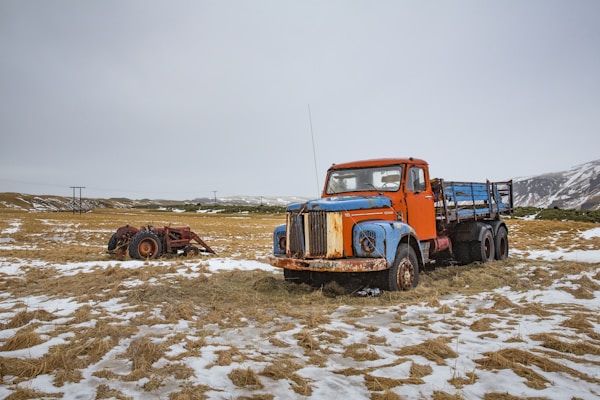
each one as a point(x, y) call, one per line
point(368, 241)
point(279, 240)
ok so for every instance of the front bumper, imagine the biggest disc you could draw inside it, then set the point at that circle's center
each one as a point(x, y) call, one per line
point(325, 265)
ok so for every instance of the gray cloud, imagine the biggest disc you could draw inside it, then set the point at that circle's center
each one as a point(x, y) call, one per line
point(176, 99)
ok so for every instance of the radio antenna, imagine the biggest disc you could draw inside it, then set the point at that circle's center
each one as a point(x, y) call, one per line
point(312, 135)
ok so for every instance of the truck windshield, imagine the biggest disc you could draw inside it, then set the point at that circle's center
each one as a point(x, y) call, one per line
point(378, 179)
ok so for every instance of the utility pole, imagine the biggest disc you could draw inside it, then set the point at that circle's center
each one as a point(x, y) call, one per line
point(77, 187)
point(215, 195)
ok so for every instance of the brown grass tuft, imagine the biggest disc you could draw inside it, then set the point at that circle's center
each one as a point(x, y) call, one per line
point(229, 356)
point(419, 370)
point(179, 311)
point(434, 350)
point(439, 395)
point(506, 396)
point(578, 322)
point(286, 369)
point(105, 392)
point(536, 309)
point(245, 378)
point(502, 303)
point(22, 318)
point(578, 348)
point(305, 339)
point(379, 383)
point(361, 352)
point(21, 393)
point(444, 309)
point(189, 392)
point(143, 352)
point(22, 340)
point(519, 361)
point(483, 325)
point(387, 395)
point(460, 382)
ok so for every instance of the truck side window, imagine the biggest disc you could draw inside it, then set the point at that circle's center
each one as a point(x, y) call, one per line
point(416, 179)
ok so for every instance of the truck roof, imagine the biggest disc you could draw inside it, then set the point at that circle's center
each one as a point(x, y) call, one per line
point(377, 162)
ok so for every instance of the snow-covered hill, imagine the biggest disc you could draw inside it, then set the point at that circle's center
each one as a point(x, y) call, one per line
point(576, 188)
point(27, 202)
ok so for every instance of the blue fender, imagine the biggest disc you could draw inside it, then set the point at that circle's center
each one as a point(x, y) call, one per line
point(380, 239)
point(278, 234)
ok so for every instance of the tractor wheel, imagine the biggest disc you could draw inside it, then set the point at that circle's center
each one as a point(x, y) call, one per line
point(191, 251)
point(501, 243)
point(112, 242)
point(483, 250)
point(144, 245)
point(404, 273)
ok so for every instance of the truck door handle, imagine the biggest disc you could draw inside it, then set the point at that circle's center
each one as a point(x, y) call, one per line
point(429, 197)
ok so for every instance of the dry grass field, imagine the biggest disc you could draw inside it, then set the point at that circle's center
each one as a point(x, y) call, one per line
point(76, 322)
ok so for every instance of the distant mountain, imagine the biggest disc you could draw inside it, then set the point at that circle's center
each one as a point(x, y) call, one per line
point(577, 188)
point(28, 202)
point(251, 200)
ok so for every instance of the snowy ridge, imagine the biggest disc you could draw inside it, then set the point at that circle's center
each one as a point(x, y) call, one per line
point(576, 188)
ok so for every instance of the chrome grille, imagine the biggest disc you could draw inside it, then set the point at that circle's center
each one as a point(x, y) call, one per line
point(317, 234)
point(317, 237)
point(296, 235)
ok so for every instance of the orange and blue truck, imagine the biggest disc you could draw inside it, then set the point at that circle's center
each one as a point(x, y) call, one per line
point(379, 222)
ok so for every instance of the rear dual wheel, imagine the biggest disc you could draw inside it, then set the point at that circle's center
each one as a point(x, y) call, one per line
point(484, 250)
point(501, 243)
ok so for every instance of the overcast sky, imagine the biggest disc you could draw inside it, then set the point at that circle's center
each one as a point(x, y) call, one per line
point(177, 99)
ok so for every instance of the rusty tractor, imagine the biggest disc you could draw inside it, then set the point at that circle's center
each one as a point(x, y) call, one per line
point(150, 242)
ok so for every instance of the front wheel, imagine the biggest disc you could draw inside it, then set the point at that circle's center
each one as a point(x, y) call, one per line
point(404, 273)
point(144, 245)
point(191, 251)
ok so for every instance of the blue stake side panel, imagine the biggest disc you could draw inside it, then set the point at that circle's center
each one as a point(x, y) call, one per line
point(472, 200)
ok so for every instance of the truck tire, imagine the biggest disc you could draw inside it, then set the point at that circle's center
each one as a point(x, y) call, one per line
point(483, 249)
point(501, 243)
point(145, 245)
point(404, 273)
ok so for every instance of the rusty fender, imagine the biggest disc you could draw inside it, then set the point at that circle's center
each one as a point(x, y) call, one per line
point(324, 265)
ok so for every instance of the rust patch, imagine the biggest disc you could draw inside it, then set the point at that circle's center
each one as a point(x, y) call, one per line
point(324, 265)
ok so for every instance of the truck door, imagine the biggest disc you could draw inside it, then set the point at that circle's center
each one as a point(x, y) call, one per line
point(420, 202)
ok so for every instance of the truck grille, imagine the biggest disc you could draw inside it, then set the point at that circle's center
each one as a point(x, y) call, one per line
point(296, 233)
point(317, 234)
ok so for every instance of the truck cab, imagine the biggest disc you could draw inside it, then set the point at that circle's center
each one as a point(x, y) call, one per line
point(405, 182)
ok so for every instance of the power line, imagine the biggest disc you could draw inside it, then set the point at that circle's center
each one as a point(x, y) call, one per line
point(80, 207)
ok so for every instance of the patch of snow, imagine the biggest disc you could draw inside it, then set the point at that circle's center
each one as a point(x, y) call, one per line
point(591, 233)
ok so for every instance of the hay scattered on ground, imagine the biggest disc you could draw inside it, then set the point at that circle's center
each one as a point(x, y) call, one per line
point(265, 330)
